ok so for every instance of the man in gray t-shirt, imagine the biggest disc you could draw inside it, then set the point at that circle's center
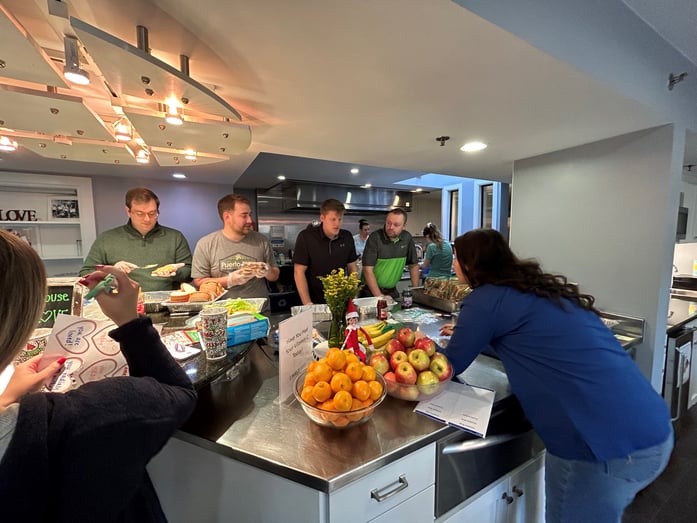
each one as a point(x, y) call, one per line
point(237, 257)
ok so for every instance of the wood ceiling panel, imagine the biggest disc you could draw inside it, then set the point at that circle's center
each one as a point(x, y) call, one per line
point(212, 137)
point(33, 111)
point(124, 66)
point(23, 58)
point(79, 151)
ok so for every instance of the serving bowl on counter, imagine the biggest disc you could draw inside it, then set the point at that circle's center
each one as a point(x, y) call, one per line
point(333, 419)
point(415, 392)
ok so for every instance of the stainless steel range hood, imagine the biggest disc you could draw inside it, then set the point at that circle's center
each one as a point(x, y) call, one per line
point(306, 196)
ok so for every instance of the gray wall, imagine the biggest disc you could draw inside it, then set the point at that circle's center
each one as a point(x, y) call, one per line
point(187, 206)
point(604, 214)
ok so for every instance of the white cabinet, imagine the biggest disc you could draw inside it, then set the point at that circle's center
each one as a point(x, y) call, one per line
point(195, 484)
point(53, 213)
point(518, 497)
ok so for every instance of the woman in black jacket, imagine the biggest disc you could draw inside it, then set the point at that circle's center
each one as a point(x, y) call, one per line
point(81, 456)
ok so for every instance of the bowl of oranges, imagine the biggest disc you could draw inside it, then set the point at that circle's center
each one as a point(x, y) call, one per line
point(338, 390)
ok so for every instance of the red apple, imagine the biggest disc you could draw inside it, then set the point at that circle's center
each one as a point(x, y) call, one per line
point(393, 346)
point(397, 358)
point(405, 373)
point(419, 359)
point(441, 367)
point(379, 362)
point(408, 392)
point(391, 383)
point(426, 344)
point(427, 382)
point(389, 376)
point(406, 337)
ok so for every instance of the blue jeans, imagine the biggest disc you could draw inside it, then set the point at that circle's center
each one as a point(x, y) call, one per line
point(598, 492)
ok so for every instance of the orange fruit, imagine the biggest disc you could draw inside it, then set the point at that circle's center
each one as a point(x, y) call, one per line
point(343, 401)
point(321, 391)
point(360, 390)
point(368, 373)
point(340, 421)
point(310, 379)
point(307, 396)
point(328, 405)
point(375, 389)
point(341, 382)
point(354, 370)
point(311, 366)
point(323, 372)
point(336, 359)
point(351, 357)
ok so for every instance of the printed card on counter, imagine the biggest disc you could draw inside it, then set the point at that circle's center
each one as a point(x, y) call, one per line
point(90, 353)
point(462, 406)
point(294, 351)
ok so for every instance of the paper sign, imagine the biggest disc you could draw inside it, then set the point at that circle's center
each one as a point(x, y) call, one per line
point(90, 353)
point(462, 406)
point(294, 351)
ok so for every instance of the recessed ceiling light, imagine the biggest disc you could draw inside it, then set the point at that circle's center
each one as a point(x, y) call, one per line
point(179, 175)
point(366, 186)
point(471, 147)
point(355, 170)
point(281, 177)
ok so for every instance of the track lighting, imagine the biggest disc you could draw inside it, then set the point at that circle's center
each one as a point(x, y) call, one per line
point(174, 115)
point(7, 144)
point(123, 132)
point(72, 70)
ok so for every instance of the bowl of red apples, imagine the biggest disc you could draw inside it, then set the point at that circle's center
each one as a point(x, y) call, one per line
point(412, 367)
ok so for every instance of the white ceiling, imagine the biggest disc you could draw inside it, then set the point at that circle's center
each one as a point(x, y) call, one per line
point(361, 82)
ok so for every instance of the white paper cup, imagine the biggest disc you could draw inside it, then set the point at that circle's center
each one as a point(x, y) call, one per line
point(214, 332)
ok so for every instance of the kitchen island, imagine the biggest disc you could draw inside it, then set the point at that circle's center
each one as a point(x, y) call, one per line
point(246, 456)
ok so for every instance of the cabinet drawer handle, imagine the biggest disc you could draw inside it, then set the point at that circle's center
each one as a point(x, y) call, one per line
point(518, 491)
point(508, 498)
point(401, 483)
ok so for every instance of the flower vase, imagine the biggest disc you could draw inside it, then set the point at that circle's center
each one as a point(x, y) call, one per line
point(337, 328)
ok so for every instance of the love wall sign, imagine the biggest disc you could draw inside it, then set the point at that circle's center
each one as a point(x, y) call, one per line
point(63, 297)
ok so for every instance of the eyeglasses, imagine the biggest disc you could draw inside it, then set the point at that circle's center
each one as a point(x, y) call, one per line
point(141, 214)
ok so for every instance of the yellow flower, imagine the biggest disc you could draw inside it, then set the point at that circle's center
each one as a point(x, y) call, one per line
point(339, 289)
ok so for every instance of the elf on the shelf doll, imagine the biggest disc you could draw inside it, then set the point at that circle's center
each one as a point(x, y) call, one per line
point(351, 342)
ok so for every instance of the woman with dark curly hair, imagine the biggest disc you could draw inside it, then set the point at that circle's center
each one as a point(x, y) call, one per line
point(607, 432)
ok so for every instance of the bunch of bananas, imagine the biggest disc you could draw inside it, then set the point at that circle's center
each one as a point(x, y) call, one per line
point(380, 332)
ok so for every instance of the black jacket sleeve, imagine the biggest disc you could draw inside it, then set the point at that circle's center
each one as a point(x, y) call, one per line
point(84, 452)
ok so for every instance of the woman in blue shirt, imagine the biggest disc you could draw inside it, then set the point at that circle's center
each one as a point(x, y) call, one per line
point(438, 260)
point(607, 432)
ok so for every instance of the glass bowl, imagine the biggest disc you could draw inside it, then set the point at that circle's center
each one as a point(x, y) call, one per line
point(415, 392)
point(338, 420)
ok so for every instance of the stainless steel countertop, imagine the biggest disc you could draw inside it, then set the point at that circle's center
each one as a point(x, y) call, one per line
point(240, 416)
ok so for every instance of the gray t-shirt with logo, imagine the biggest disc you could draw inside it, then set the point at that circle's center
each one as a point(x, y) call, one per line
point(216, 256)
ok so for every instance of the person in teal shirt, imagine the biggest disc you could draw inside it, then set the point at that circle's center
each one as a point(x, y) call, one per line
point(438, 260)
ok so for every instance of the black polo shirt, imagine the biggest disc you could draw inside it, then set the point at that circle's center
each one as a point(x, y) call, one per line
point(322, 255)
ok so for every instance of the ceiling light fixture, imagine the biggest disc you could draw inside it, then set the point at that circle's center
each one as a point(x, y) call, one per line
point(72, 70)
point(143, 156)
point(366, 186)
point(190, 154)
point(175, 115)
point(123, 132)
point(7, 144)
point(472, 147)
point(179, 176)
point(281, 177)
point(355, 170)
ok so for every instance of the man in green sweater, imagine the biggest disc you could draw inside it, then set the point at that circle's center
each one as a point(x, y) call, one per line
point(140, 243)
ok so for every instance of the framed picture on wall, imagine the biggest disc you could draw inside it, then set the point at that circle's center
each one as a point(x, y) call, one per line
point(29, 235)
point(63, 209)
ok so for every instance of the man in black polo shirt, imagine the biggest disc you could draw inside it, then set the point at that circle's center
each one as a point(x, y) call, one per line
point(319, 249)
point(387, 251)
